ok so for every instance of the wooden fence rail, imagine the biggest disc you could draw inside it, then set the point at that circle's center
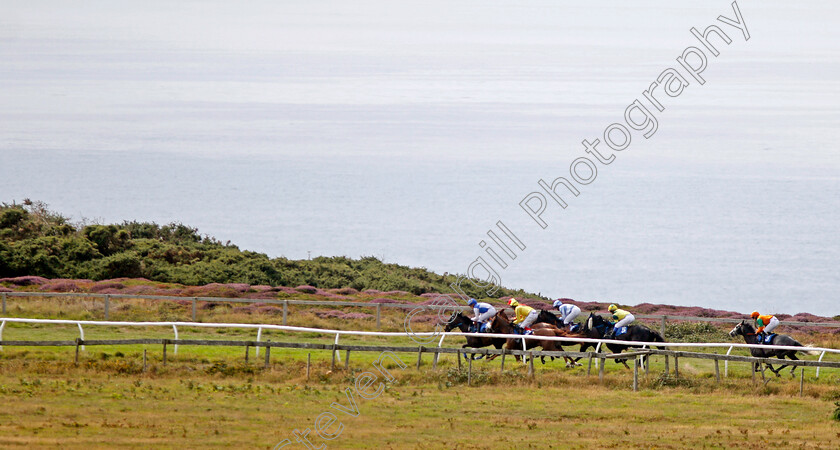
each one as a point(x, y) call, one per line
point(107, 298)
point(437, 351)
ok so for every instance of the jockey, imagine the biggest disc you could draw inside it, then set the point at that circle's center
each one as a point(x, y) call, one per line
point(623, 318)
point(764, 324)
point(568, 312)
point(483, 313)
point(525, 315)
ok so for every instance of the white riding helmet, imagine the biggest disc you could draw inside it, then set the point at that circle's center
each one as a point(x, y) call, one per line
point(558, 303)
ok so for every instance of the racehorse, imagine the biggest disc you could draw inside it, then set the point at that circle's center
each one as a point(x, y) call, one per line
point(502, 325)
point(748, 332)
point(551, 318)
point(462, 322)
point(596, 326)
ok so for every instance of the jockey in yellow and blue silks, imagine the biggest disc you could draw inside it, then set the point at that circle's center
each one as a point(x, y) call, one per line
point(483, 313)
point(525, 315)
point(621, 317)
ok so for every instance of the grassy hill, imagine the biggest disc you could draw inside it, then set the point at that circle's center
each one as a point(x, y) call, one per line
point(35, 241)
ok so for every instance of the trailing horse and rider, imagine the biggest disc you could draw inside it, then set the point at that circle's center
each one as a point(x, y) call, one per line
point(620, 327)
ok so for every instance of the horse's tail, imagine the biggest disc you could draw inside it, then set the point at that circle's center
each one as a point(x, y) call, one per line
point(810, 352)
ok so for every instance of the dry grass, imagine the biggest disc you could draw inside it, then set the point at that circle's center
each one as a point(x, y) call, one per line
point(208, 396)
point(98, 404)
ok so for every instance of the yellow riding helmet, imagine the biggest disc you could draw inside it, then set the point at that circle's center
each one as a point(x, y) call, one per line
point(612, 308)
point(513, 302)
point(754, 315)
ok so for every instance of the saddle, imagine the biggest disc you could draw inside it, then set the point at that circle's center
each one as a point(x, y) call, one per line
point(766, 339)
point(483, 328)
point(619, 331)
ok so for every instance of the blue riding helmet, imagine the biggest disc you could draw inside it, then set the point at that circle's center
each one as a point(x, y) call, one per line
point(558, 303)
point(472, 302)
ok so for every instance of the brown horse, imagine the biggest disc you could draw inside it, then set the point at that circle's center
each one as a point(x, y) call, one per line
point(502, 325)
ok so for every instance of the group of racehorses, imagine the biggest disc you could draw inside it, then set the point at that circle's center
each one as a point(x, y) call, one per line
point(548, 324)
point(595, 327)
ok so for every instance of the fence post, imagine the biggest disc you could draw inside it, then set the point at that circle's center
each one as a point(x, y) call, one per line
point(347, 359)
point(801, 380)
point(3, 295)
point(335, 352)
point(194, 301)
point(469, 373)
point(636, 374)
point(267, 352)
point(144, 360)
point(598, 361)
point(247, 350)
point(2, 325)
point(285, 310)
point(818, 367)
point(257, 348)
point(726, 363)
point(458, 354)
point(81, 334)
point(76, 361)
point(107, 305)
point(419, 356)
point(601, 362)
point(437, 352)
point(662, 326)
point(378, 316)
point(717, 370)
point(531, 364)
point(676, 366)
point(503, 360)
point(589, 366)
point(667, 369)
point(175, 329)
point(164, 352)
point(308, 364)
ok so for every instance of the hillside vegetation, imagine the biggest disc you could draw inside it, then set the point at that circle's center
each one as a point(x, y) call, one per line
point(39, 242)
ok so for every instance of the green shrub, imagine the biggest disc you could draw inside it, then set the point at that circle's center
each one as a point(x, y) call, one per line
point(694, 332)
point(36, 241)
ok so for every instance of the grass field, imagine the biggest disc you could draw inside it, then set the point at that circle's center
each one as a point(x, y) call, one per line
point(209, 397)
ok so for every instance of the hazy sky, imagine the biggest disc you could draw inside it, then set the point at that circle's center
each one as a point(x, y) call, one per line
point(407, 129)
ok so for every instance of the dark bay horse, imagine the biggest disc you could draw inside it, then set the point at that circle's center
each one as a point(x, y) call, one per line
point(501, 324)
point(551, 318)
point(596, 326)
point(460, 321)
point(748, 332)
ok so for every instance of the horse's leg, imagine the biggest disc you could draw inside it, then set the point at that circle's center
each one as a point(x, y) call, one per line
point(472, 355)
point(792, 356)
point(509, 346)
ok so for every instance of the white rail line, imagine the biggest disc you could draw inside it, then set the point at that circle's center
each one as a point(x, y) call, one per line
point(260, 327)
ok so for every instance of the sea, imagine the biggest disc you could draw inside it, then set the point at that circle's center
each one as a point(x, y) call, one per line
point(408, 130)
